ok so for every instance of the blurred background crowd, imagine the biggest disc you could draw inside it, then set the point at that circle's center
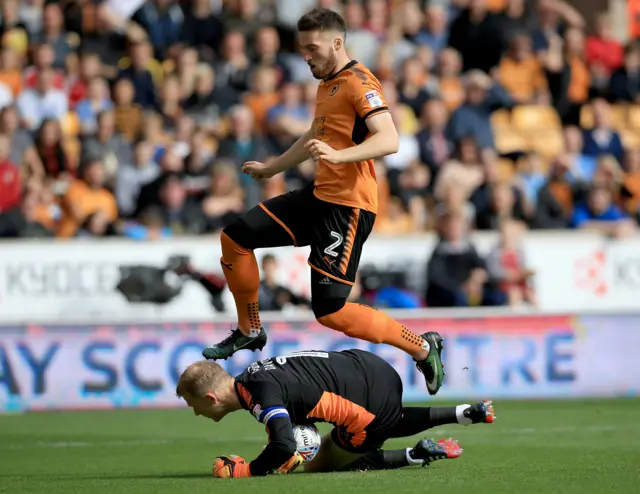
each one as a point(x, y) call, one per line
point(132, 118)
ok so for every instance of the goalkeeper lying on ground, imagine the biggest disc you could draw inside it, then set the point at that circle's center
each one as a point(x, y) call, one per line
point(356, 391)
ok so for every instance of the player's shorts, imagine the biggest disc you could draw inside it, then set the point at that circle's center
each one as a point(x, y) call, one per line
point(385, 403)
point(335, 233)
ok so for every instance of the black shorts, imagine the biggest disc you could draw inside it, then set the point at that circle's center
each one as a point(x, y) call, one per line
point(335, 233)
point(384, 402)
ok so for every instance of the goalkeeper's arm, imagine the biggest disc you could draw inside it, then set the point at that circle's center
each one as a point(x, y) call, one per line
point(280, 455)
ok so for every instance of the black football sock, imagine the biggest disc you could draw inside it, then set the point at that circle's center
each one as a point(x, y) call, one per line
point(383, 460)
point(418, 419)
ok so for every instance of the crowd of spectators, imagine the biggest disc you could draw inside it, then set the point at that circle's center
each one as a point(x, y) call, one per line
point(132, 117)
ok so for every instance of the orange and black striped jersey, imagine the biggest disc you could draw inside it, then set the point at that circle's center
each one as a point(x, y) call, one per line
point(349, 389)
point(344, 102)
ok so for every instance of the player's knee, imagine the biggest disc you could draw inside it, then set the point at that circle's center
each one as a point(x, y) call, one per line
point(325, 309)
point(241, 233)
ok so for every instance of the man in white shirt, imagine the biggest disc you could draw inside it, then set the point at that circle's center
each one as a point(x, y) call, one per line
point(42, 102)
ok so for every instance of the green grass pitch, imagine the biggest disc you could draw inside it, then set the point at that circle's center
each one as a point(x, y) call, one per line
point(538, 446)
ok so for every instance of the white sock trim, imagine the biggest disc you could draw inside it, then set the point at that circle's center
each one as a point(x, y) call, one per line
point(426, 346)
point(460, 415)
point(412, 461)
point(253, 333)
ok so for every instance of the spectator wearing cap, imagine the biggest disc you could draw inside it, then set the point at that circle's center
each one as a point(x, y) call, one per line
point(84, 197)
point(472, 118)
point(41, 102)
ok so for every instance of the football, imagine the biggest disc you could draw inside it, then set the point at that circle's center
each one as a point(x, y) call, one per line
point(308, 441)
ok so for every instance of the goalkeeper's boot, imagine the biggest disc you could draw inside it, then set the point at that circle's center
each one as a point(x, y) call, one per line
point(432, 367)
point(234, 342)
point(481, 412)
point(429, 450)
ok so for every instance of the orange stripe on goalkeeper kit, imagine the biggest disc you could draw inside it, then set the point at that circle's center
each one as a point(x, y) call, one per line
point(280, 222)
point(329, 275)
point(245, 395)
point(348, 244)
point(342, 412)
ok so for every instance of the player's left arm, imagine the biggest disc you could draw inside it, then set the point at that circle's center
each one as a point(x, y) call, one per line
point(383, 140)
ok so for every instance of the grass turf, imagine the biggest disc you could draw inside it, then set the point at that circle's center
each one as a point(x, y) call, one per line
point(538, 446)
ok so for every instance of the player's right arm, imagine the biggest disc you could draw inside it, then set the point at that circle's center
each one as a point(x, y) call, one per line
point(280, 455)
point(293, 156)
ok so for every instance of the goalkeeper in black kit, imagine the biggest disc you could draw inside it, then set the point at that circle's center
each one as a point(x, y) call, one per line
point(357, 392)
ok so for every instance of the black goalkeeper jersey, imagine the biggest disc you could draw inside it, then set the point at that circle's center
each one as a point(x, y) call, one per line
point(356, 391)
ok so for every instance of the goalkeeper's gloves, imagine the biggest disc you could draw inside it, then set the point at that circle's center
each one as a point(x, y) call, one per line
point(231, 466)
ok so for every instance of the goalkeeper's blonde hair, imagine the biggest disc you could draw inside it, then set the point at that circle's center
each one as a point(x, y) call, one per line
point(201, 378)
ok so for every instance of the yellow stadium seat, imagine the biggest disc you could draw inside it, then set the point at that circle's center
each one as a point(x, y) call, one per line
point(619, 116)
point(547, 143)
point(530, 118)
point(500, 118)
point(633, 117)
point(630, 138)
point(69, 124)
point(509, 141)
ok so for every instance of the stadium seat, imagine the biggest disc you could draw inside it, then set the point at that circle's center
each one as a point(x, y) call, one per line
point(500, 119)
point(547, 143)
point(633, 117)
point(531, 118)
point(509, 141)
point(630, 138)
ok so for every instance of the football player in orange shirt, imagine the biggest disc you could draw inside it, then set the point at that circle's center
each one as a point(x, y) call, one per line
point(352, 127)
